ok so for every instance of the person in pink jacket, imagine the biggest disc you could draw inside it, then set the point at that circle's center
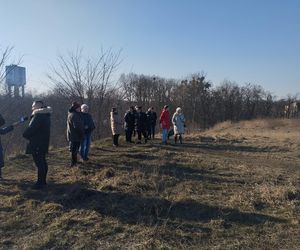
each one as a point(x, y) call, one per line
point(165, 123)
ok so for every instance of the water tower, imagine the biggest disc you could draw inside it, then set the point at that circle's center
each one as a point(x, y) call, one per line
point(15, 80)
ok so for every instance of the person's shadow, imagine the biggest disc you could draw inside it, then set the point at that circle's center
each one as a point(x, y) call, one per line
point(137, 209)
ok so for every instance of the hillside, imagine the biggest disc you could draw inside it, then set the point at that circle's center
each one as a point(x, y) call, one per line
point(236, 186)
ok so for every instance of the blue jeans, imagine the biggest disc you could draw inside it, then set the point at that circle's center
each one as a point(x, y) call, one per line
point(85, 146)
point(164, 135)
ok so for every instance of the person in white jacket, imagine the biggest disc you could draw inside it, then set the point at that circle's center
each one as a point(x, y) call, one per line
point(178, 121)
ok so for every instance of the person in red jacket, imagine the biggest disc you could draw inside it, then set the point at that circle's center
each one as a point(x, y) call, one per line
point(165, 123)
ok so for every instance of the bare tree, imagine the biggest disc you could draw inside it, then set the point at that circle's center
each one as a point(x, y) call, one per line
point(87, 79)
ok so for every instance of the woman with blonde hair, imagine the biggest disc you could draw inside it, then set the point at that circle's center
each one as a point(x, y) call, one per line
point(178, 121)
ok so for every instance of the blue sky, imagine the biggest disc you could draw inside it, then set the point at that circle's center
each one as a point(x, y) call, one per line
point(247, 41)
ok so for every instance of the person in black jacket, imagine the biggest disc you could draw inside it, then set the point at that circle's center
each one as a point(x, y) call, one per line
point(89, 126)
point(38, 134)
point(129, 119)
point(3, 131)
point(151, 122)
point(141, 124)
point(75, 131)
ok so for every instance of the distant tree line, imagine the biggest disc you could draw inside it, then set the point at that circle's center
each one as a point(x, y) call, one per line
point(93, 81)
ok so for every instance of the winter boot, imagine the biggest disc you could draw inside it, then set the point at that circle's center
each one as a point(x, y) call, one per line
point(180, 139)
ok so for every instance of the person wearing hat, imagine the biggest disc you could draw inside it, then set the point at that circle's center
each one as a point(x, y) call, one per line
point(116, 123)
point(141, 124)
point(89, 126)
point(164, 121)
point(178, 121)
point(38, 134)
point(75, 131)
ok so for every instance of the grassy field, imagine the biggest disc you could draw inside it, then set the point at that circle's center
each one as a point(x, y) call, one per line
point(236, 186)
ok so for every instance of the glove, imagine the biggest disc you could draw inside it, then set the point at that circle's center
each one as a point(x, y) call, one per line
point(23, 119)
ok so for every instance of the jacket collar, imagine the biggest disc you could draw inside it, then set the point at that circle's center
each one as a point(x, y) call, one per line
point(44, 110)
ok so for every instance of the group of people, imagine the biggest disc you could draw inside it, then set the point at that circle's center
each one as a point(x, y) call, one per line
point(80, 125)
point(79, 128)
point(143, 124)
point(135, 122)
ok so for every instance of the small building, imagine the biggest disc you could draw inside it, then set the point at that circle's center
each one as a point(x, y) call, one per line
point(15, 79)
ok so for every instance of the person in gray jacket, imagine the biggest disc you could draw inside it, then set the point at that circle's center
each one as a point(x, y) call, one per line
point(178, 121)
point(75, 131)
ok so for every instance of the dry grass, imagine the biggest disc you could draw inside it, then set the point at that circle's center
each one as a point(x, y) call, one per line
point(236, 186)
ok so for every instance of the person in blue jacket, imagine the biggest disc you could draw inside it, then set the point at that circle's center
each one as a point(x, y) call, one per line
point(89, 126)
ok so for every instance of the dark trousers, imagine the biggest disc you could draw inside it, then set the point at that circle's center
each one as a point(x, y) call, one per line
point(129, 132)
point(1, 160)
point(1, 157)
point(42, 166)
point(116, 139)
point(180, 138)
point(74, 148)
point(140, 133)
point(151, 131)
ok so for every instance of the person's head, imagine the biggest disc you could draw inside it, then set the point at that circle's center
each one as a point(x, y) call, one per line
point(149, 109)
point(166, 107)
point(131, 108)
point(139, 109)
point(37, 105)
point(75, 106)
point(84, 108)
point(178, 110)
point(114, 110)
point(152, 109)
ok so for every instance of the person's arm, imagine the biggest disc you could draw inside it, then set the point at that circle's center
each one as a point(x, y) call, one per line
point(182, 118)
point(126, 117)
point(6, 130)
point(92, 124)
point(2, 121)
point(119, 120)
point(173, 119)
point(33, 127)
point(154, 117)
point(161, 117)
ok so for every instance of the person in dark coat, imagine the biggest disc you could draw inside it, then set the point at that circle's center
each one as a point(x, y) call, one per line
point(129, 120)
point(134, 114)
point(89, 126)
point(151, 122)
point(38, 134)
point(3, 131)
point(141, 124)
point(75, 131)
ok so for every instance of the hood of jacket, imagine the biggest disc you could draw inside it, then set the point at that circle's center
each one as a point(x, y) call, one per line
point(44, 110)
